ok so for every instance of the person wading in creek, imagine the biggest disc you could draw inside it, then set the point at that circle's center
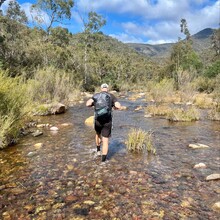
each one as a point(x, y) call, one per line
point(103, 103)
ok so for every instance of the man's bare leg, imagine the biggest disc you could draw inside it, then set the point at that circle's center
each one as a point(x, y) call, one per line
point(98, 139)
point(104, 148)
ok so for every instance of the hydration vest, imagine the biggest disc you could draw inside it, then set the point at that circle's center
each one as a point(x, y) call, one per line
point(103, 105)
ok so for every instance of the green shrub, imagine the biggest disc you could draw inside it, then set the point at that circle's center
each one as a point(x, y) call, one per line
point(51, 85)
point(213, 70)
point(184, 115)
point(139, 141)
point(14, 106)
point(162, 90)
point(203, 84)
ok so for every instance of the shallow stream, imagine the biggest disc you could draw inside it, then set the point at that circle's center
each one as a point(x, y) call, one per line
point(64, 179)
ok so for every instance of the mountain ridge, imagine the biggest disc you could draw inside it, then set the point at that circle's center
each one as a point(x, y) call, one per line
point(201, 41)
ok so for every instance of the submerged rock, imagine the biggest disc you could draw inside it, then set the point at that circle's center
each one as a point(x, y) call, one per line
point(89, 202)
point(37, 133)
point(216, 207)
point(200, 165)
point(89, 121)
point(50, 109)
point(214, 176)
point(38, 145)
point(54, 128)
point(198, 146)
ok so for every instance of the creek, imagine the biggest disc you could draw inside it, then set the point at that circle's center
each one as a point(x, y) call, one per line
point(64, 179)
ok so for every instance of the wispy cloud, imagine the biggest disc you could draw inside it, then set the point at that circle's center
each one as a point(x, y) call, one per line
point(149, 21)
point(156, 21)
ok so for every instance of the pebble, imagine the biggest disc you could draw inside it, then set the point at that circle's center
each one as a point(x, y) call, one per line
point(37, 133)
point(54, 128)
point(200, 165)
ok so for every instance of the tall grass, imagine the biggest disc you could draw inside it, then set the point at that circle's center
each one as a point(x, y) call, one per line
point(162, 91)
point(139, 141)
point(52, 85)
point(14, 106)
point(184, 115)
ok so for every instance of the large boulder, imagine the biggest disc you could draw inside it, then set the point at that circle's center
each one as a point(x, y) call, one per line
point(50, 109)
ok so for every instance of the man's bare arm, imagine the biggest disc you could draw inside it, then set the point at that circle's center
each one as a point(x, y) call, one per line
point(117, 105)
point(89, 103)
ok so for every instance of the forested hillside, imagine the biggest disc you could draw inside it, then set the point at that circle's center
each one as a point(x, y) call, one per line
point(201, 42)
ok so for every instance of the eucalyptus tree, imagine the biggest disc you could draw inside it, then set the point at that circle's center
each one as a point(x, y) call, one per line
point(1, 2)
point(56, 10)
point(216, 41)
point(12, 37)
point(92, 26)
point(15, 12)
point(183, 57)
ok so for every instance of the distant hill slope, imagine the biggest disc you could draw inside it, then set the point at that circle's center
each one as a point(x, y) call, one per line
point(201, 41)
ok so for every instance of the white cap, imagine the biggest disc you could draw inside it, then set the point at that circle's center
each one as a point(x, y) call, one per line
point(104, 85)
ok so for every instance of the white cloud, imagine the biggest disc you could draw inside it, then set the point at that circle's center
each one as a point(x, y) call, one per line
point(207, 17)
point(126, 38)
point(33, 14)
point(145, 20)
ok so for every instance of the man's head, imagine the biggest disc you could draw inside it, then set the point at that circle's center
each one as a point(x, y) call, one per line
point(104, 87)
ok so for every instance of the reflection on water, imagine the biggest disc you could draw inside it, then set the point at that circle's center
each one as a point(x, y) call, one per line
point(64, 179)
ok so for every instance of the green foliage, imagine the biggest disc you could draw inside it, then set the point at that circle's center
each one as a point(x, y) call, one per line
point(183, 115)
point(95, 22)
point(14, 105)
point(139, 141)
point(183, 57)
point(215, 41)
point(50, 85)
point(161, 90)
point(204, 84)
point(14, 12)
point(60, 36)
point(57, 10)
point(213, 70)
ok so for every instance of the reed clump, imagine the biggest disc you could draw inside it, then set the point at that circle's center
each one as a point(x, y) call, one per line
point(161, 110)
point(183, 115)
point(140, 141)
point(14, 108)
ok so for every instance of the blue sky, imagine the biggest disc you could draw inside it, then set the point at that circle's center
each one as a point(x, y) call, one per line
point(143, 21)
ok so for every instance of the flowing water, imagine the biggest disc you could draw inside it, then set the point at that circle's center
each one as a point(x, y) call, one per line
point(64, 179)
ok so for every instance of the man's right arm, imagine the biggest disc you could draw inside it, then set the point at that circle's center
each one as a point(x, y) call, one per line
point(117, 105)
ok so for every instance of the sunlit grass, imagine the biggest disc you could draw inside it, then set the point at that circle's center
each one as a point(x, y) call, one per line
point(161, 110)
point(14, 108)
point(139, 141)
point(185, 115)
point(203, 101)
point(214, 113)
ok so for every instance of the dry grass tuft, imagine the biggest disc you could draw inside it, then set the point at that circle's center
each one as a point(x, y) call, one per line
point(139, 141)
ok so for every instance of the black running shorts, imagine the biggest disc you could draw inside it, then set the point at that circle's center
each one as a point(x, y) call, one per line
point(103, 128)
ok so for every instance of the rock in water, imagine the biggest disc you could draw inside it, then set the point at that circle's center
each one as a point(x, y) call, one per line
point(214, 176)
point(198, 146)
point(90, 121)
point(200, 165)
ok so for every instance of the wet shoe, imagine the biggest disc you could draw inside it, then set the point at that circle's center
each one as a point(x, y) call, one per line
point(98, 153)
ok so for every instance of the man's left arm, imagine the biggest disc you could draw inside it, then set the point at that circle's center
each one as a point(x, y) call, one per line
point(90, 102)
point(116, 103)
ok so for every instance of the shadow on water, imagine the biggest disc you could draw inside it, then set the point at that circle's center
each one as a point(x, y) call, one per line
point(64, 179)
